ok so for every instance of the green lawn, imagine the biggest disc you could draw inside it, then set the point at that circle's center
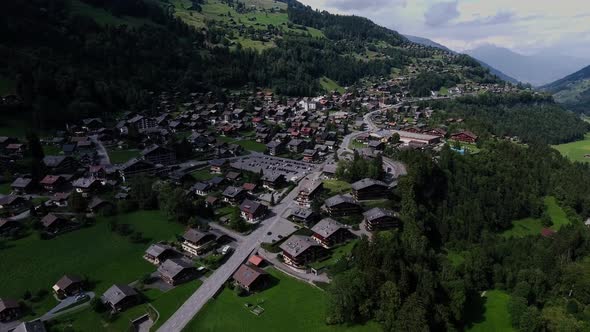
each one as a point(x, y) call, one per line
point(122, 156)
point(251, 145)
point(290, 305)
point(336, 187)
point(104, 257)
point(7, 86)
point(5, 188)
point(203, 174)
point(336, 254)
point(533, 226)
point(169, 302)
point(496, 316)
point(52, 150)
point(14, 127)
point(576, 151)
point(331, 85)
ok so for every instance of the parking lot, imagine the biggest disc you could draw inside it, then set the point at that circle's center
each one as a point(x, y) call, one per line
point(293, 170)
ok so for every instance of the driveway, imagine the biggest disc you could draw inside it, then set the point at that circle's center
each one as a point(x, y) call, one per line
point(56, 311)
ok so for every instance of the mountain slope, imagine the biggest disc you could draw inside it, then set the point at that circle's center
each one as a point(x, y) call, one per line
point(534, 69)
point(573, 91)
point(428, 42)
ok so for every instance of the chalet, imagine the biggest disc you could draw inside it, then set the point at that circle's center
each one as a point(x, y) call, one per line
point(52, 183)
point(301, 215)
point(60, 164)
point(136, 167)
point(377, 145)
point(9, 310)
point(379, 218)
point(250, 187)
point(201, 188)
point(275, 148)
point(464, 136)
point(32, 326)
point(92, 123)
point(296, 145)
point(367, 189)
point(233, 176)
point(177, 271)
point(68, 285)
point(299, 250)
point(60, 199)
point(310, 155)
point(15, 149)
point(308, 191)
point(212, 201)
point(253, 212)
point(120, 297)
point(216, 181)
point(407, 137)
point(196, 242)
point(340, 205)
point(98, 205)
point(87, 186)
point(234, 195)
point(7, 225)
point(159, 252)
point(328, 232)
point(255, 260)
point(22, 186)
point(273, 180)
point(5, 141)
point(219, 166)
point(440, 132)
point(159, 155)
point(13, 203)
point(142, 123)
point(54, 224)
point(250, 277)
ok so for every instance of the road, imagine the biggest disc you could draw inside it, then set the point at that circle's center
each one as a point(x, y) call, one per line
point(213, 284)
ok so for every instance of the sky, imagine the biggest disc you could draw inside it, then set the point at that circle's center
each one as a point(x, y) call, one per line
point(525, 26)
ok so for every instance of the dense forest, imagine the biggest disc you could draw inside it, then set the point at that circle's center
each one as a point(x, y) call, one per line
point(403, 279)
point(530, 117)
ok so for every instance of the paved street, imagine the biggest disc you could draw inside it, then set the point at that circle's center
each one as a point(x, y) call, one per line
point(102, 152)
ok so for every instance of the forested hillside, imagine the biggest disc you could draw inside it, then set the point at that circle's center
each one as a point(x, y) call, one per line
point(573, 91)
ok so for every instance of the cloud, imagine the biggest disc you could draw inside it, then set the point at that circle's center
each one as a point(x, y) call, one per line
point(441, 13)
point(352, 5)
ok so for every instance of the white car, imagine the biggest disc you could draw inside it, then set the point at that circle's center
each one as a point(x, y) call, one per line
point(226, 250)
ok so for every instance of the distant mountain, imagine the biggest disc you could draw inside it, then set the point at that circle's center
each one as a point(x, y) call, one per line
point(573, 91)
point(428, 42)
point(534, 69)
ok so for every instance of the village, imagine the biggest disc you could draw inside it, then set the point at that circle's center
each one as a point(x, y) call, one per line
point(263, 170)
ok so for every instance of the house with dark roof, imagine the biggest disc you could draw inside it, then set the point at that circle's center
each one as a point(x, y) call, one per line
point(98, 205)
point(159, 155)
point(275, 148)
point(22, 186)
point(308, 191)
point(340, 205)
point(252, 211)
point(273, 180)
point(201, 188)
point(9, 310)
point(68, 285)
point(120, 297)
point(310, 155)
point(13, 203)
point(303, 215)
point(296, 145)
point(7, 225)
point(196, 242)
point(379, 218)
point(53, 183)
point(136, 167)
point(250, 277)
point(234, 195)
point(328, 232)
point(218, 166)
point(32, 326)
point(464, 136)
point(60, 164)
point(176, 271)
point(86, 186)
point(159, 252)
point(299, 250)
point(54, 224)
point(367, 189)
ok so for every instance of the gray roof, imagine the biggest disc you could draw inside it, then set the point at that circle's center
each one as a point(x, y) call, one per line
point(302, 213)
point(53, 161)
point(232, 191)
point(21, 182)
point(377, 212)
point(34, 326)
point(364, 183)
point(117, 293)
point(338, 199)
point(157, 249)
point(326, 227)
point(172, 267)
point(8, 304)
point(194, 235)
point(297, 244)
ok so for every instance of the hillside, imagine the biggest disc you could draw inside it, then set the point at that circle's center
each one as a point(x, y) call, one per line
point(573, 91)
point(534, 69)
point(493, 71)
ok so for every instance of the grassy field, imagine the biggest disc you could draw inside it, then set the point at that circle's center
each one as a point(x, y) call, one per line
point(496, 316)
point(122, 156)
point(7, 86)
point(330, 85)
point(337, 254)
point(290, 305)
point(104, 17)
point(252, 145)
point(5, 188)
point(203, 174)
point(14, 127)
point(336, 187)
point(104, 257)
point(576, 151)
point(533, 226)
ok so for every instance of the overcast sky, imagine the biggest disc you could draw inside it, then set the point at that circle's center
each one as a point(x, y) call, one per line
point(525, 26)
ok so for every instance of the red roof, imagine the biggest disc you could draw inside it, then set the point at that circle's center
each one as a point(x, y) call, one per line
point(50, 179)
point(256, 260)
point(249, 186)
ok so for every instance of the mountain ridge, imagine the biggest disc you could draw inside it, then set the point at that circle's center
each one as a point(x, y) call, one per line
point(573, 91)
